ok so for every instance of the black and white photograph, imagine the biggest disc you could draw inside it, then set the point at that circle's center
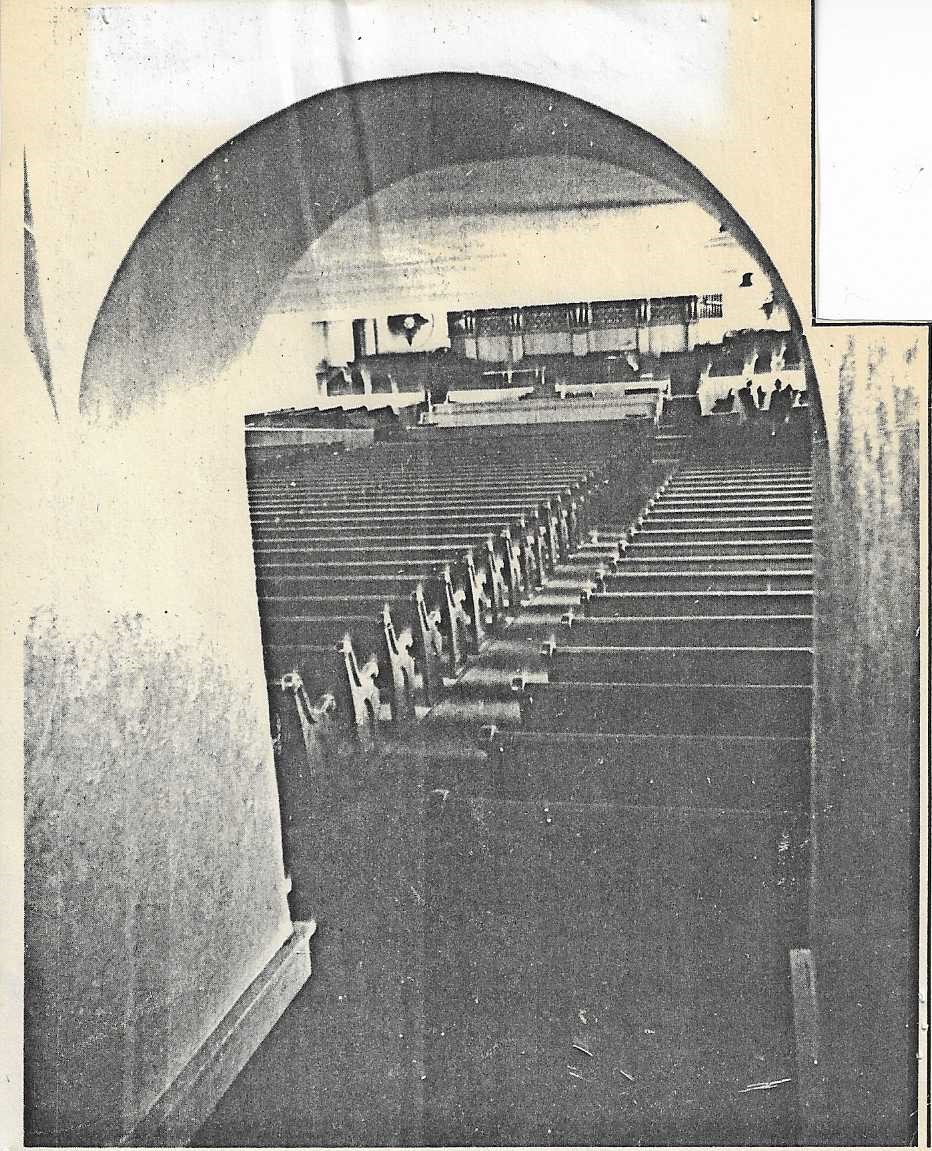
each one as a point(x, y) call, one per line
point(468, 637)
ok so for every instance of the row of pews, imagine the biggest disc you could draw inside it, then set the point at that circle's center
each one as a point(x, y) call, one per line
point(546, 739)
point(380, 571)
point(700, 628)
point(649, 789)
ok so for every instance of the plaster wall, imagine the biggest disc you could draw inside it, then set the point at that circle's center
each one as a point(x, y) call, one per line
point(154, 885)
point(864, 900)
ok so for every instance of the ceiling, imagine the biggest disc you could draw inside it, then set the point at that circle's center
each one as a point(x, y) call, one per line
point(521, 184)
point(482, 232)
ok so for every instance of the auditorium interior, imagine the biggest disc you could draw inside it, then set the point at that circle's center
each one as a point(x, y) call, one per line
point(535, 464)
point(534, 571)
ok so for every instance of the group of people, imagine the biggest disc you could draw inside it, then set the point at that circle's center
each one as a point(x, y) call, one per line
point(752, 399)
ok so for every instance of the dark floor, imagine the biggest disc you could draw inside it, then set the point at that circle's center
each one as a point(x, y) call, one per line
point(489, 974)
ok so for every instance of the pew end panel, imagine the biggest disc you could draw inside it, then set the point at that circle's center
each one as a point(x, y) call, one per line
point(399, 669)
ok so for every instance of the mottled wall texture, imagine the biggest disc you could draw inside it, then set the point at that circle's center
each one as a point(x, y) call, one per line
point(154, 885)
point(864, 903)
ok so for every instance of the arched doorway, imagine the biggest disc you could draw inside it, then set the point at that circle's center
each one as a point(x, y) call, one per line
point(193, 289)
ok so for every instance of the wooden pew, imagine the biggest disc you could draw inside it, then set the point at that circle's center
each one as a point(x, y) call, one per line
point(675, 603)
point(502, 564)
point(533, 544)
point(456, 624)
point(721, 533)
point(368, 633)
point(737, 579)
point(351, 516)
point(339, 583)
point(404, 490)
point(668, 709)
point(698, 772)
point(741, 486)
point(679, 665)
point(305, 741)
point(564, 517)
point(372, 472)
point(646, 547)
point(393, 664)
point(643, 562)
point(661, 519)
point(559, 521)
point(558, 504)
point(332, 670)
point(713, 503)
point(741, 630)
point(515, 494)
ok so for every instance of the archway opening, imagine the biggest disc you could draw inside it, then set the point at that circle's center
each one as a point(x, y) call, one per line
point(262, 247)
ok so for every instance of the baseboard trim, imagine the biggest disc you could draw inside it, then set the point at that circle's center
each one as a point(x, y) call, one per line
point(180, 1111)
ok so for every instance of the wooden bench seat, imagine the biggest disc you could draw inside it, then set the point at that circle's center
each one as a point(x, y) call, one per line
point(497, 509)
point(534, 550)
point(507, 559)
point(791, 514)
point(339, 583)
point(733, 502)
point(736, 579)
point(668, 709)
point(478, 582)
point(420, 520)
point(505, 566)
point(680, 665)
point(636, 561)
point(561, 534)
point(327, 631)
point(406, 493)
point(315, 563)
point(733, 472)
point(413, 491)
point(767, 485)
point(647, 547)
point(743, 630)
point(763, 493)
point(391, 664)
point(722, 533)
point(460, 628)
point(412, 619)
point(375, 533)
point(661, 521)
point(566, 523)
point(673, 603)
point(332, 669)
point(700, 772)
point(493, 476)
